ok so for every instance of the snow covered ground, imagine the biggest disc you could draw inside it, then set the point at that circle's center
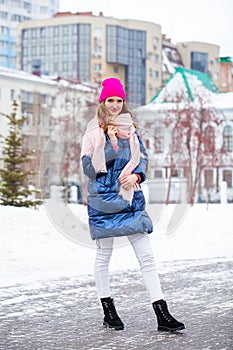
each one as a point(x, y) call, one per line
point(34, 248)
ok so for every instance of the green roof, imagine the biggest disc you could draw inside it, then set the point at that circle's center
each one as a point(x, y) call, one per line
point(226, 59)
point(202, 77)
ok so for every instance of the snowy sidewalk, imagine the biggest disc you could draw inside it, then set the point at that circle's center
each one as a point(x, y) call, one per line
point(64, 314)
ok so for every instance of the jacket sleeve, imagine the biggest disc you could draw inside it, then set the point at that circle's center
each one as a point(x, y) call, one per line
point(141, 169)
point(88, 168)
point(110, 155)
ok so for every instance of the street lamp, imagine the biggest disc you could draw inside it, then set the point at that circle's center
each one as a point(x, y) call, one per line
point(14, 106)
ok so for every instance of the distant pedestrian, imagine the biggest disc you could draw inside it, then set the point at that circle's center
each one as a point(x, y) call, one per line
point(115, 161)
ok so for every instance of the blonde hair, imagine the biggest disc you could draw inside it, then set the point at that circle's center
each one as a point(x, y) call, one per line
point(105, 118)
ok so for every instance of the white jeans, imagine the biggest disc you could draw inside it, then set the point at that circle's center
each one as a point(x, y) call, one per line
point(142, 248)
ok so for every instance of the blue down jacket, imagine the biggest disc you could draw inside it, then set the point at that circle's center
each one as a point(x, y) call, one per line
point(109, 214)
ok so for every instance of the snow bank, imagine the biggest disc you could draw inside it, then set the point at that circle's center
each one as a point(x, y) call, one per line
point(33, 249)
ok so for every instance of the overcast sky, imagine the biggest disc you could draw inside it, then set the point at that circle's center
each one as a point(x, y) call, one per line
point(181, 20)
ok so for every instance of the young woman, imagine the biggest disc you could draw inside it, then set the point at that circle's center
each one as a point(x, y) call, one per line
point(115, 161)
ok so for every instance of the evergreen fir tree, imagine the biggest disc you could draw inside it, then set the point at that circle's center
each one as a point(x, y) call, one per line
point(14, 184)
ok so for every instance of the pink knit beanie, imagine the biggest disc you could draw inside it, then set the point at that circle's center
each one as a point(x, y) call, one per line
point(112, 87)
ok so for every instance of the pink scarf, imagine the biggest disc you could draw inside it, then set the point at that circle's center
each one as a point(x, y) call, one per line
point(94, 144)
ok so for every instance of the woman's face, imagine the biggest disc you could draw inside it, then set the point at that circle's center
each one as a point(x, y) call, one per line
point(114, 105)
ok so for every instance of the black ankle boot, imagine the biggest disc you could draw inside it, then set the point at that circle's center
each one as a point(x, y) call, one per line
point(111, 318)
point(165, 320)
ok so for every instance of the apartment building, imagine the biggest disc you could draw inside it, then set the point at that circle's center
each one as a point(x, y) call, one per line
point(88, 48)
point(202, 57)
point(12, 12)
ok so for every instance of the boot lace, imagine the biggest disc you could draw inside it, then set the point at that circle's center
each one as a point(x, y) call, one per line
point(165, 313)
point(111, 310)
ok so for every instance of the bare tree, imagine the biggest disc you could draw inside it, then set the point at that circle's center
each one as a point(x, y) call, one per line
point(193, 143)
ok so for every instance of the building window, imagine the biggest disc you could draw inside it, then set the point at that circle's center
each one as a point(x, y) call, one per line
point(33, 51)
point(209, 145)
point(65, 66)
point(209, 179)
point(97, 67)
point(199, 61)
point(65, 30)
point(3, 58)
point(3, 44)
point(156, 74)
point(42, 32)
point(228, 139)
point(26, 96)
point(156, 58)
point(43, 9)
point(215, 76)
point(98, 33)
point(83, 66)
point(56, 31)
point(97, 47)
point(55, 48)
point(3, 30)
point(158, 141)
point(3, 15)
point(155, 42)
point(65, 48)
point(74, 29)
point(177, 138)
point(53, 102)
point(74, 47)
point(111, 44)
point(42, 49)
point(34, 33)
point(16, 3)
point(25, 33)
point(13, 60)
point(27, 6)
point(12, 95)
point(118, 44)
point(227, 176)
point(56, 67)
point(139, 53)
point(128, 47)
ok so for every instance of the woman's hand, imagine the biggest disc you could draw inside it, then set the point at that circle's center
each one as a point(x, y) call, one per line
point(128, 181)
point(112, 132)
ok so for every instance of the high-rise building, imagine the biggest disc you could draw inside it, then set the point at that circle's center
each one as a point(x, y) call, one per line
point(89, 48)
point(201, 57)
point(12, 12)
